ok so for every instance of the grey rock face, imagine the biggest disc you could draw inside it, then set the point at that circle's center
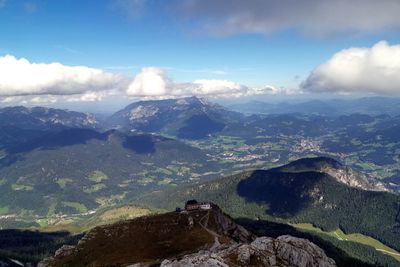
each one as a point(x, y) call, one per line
point(355, 179)
point(228, 227)
point(263, 251)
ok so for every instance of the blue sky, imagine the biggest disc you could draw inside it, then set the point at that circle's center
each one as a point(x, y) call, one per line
point(123, 36)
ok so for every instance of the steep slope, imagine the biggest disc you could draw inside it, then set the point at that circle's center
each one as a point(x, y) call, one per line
point(301, 196)
point(167, 239)
point(76, 170)
point(190, 118)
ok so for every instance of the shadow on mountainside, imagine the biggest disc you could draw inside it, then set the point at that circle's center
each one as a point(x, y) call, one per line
point(199, 126)
point(33, 246)
point(140, 144)
point(51, 141)
point(283, 193)
point(68, 137)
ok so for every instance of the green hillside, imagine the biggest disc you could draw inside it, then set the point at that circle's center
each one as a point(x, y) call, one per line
point(77, 170)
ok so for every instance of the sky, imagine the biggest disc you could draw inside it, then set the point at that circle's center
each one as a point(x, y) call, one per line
point(106, 53)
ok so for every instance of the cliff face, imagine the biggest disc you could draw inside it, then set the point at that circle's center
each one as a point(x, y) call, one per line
point(355, 179)
point(337, 170)
point(197, 238)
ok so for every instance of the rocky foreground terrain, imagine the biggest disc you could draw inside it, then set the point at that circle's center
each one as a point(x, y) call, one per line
point(196, 238)
point(263, 251)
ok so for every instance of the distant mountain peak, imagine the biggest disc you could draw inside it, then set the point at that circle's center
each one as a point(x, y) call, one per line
point(188, 117)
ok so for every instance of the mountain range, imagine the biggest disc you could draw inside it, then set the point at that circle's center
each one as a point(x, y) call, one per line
point(330, 107)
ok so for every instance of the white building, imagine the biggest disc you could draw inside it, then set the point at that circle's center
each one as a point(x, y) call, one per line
point(205, 206)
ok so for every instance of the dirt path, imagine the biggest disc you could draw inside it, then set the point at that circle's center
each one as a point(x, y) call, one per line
point(204, 226)
point(338, 236)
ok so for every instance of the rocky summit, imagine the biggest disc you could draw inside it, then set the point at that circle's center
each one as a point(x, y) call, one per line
point(193, 238)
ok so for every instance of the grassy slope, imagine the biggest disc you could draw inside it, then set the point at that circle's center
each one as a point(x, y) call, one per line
point(145, 239)
point(103, 216)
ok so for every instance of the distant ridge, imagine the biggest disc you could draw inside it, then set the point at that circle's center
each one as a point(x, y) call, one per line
point(40, 118)
point(330, 107)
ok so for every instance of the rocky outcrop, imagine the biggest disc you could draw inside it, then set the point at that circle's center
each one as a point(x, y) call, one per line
point(337, 170)
point(352, 178)
point(264, 251)
point(227, 226)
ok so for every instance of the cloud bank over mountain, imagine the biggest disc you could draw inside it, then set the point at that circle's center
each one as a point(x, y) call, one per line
point(152, 82)
point(49, 82)
point(359, 70)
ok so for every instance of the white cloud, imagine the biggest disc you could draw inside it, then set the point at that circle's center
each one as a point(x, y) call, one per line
point(24, 82)
point(373, 70)
point(315, 17)
point(43, 100)
point(8, 99)
point(149, 82)
point(152, 82)
point(217, 88)
point(21, 77)
point(89, 96)
point(31, 100)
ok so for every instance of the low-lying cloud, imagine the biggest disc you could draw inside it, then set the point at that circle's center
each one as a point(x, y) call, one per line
point(359, 70)
point(48, 83)
point(152, 82)
point(21, 77)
